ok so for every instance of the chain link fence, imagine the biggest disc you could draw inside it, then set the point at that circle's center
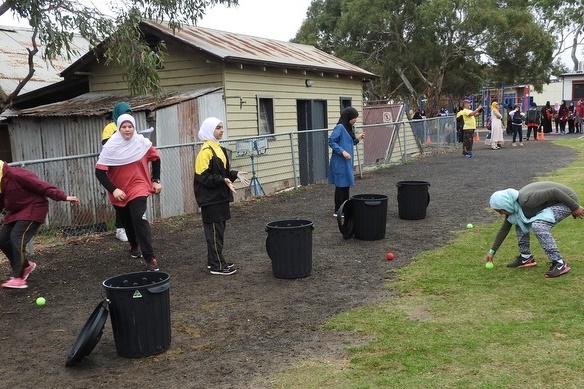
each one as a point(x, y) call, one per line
point(274, 163)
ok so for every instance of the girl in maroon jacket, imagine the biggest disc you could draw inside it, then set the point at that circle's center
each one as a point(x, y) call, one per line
point(23, 199)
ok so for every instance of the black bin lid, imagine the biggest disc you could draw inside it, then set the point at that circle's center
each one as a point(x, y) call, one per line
point(345, 219)
point(89, 336)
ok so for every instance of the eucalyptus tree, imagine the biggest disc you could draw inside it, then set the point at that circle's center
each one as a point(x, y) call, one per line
point(54, 23)
point(565, 19)
point(433, 48)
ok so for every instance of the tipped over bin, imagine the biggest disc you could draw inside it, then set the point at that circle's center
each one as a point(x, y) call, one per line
point(413, 199)
point(289, 246)
point(140, 312)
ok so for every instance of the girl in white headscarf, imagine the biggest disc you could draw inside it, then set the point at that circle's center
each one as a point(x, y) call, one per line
point(536, 207)
point(122, 169)
point(213, 184)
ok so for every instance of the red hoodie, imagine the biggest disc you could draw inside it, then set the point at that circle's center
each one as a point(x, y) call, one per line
point(24, 195)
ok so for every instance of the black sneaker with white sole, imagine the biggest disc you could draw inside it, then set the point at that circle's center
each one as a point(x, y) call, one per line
point(136, 252)
point(557, 269)
point(223, 272)
point(227, 265)
point(523, 262)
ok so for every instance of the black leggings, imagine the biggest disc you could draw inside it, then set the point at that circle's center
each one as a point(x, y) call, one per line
point(13, 240)
point(341, 195)
point(136, 225)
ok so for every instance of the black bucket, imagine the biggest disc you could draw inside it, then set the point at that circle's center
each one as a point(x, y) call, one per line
point(140, 312)
point(413, 199)
point(369, 216)
point(289, 246)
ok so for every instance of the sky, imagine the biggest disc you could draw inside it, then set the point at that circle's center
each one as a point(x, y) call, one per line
point(274, 19)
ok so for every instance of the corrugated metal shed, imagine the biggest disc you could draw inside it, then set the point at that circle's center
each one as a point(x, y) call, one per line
point(245, 49)
point(14, 42)
point(98, 104)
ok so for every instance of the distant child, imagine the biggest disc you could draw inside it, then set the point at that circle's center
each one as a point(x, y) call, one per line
point(533, 119)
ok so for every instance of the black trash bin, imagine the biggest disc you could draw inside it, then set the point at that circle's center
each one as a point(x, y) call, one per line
point(140, 312)
point(289, 246)
point(369, 216)
point(413, 199)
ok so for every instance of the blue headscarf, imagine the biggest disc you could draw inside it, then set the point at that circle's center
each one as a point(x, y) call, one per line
point(506, 200)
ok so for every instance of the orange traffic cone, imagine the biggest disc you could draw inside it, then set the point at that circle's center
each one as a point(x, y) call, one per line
point(541, 137)
point(428, 139)
point(477, 138)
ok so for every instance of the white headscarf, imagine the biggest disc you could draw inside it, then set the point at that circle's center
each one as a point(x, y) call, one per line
point(207, 130)
point(117, 151)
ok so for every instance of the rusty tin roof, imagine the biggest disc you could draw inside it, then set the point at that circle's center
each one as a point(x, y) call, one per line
point(233, 47)
point(14, 42)
point(96, 104)
point(244, 49)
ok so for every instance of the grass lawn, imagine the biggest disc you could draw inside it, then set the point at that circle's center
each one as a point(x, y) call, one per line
point(459, 325)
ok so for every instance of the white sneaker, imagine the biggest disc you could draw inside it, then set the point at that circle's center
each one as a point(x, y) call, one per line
point(513, 144)
point(521, 144)
point(121, 234)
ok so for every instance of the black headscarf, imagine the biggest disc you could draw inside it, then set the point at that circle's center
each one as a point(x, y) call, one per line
point(347, 115)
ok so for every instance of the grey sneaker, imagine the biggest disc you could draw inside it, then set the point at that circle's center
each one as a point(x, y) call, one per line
point(557, 269)
point(522, 262)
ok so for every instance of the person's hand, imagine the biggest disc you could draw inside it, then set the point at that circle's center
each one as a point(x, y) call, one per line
point(230, 185)
point(579, 213)
point(73, 199)
point(346, 155)
point(242, 178)
point(157, 187)
point(119, 194)
point(361, 136)
point(489, 258)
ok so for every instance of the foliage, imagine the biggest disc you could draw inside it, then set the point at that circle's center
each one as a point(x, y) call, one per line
point(565, 20)
point(54, 23)
point(432, 48)
point(456, 324)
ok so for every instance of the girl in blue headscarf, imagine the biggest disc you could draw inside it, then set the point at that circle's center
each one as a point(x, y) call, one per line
point(536, 207)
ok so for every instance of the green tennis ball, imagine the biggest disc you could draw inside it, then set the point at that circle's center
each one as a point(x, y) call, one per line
point(469, 226)
point(40, 301)
point(489, 265)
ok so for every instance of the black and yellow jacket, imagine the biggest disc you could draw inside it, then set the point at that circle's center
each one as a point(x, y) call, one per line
point(211, 169)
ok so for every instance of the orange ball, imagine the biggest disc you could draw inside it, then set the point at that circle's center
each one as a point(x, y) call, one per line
point(389, 256)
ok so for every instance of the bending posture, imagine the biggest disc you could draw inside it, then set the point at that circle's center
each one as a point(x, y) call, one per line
point(342, 142)
point(536, 207)
point(213, 185)
point(122, 169)
point(23, 199)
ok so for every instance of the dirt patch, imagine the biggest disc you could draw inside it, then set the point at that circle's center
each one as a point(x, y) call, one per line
point(231, 332)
